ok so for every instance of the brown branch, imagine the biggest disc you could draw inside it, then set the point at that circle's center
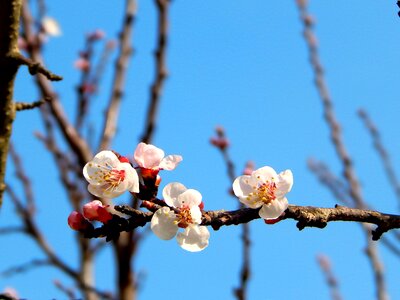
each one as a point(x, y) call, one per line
point(160, 69)
point(9, 28)
point(306, 216)
point(337, 140)
point(72, 137)
point(121, 65)
point(383, 154)
point(69, 292)
point(21, 175)
point(20, 106)
point(33, 264)
point(327, 178)
point(330, 278)
point(222, 144)
point(8, 230)
point(35, 67)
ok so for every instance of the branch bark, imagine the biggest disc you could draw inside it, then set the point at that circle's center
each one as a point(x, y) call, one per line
point(9, 26)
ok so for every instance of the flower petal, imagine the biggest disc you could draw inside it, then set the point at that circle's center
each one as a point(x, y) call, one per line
point(170, 162)
point(284, 183)
point(244, 185)
point(264, 174)
point(171, 192)
point(148, 156)
point(104, 191)
point(163, 223)
point(188, 198)
point(195, 213)
point(131, 177)
point(274, 209)
point(103, 160)
point(194, 238)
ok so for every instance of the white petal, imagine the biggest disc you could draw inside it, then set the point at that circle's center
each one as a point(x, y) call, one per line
point(251, 201)
point(148, 156)
point(274, 209)
point(51, 26)
point(102, 191)
point(284, 183)
point(170, 162)
point(172, 191)
point(244, 185)
point(264, 174)
point(107, 158)
point(188, 198)
point(163, 223)
point(131, 177)
point(194, 238)
point(195, 213)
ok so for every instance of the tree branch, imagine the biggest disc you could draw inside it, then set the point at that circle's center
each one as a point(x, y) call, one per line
point(121, 66)
point(161, 69)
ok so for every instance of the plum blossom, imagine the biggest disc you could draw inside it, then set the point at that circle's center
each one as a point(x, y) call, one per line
point(109, 177)
point(266, 189)
point(96, 211)
point(150, 157)
point(51, 26)
point(185, 213)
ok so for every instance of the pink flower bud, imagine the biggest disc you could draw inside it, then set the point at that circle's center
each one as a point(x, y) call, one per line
point(95, 211)
point(77, 221)
point(96, 35)
point(82, 64)
point(220, 142)
point(249, 168)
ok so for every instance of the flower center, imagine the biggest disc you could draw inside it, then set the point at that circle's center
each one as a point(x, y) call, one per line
point(184, 218)
point(109, 176)
point(264, 192)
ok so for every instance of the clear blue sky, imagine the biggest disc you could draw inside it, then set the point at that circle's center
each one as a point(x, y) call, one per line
point(242, 65)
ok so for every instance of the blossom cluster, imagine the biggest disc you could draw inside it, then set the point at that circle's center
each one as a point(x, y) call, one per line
point(110, 175)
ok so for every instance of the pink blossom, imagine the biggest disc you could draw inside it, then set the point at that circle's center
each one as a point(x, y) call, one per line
point(96, 211)
point(77, 221)
point(150, 157)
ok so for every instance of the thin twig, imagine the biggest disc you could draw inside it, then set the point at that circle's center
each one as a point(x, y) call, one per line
point(222, 144)
point(330, 278)
point(383, 154)
point(33, 264)
point(341, 151)
point(160, 69)
point(20, 106)
point(21, 175)
point(121, 65)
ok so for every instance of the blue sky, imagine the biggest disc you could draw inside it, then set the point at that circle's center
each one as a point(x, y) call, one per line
point(243, 65)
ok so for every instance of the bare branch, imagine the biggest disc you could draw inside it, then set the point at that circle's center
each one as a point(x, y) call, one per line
point(161, 69)
point(376, 137)
point(9, 28)
point(35, 67)
point(330, 278)
point(20, 106)
point(222, 144)
point(21, 175)
point(33, 264)
point(337, 140)
point(8, 230)
point(74, 140)
point(121, 66)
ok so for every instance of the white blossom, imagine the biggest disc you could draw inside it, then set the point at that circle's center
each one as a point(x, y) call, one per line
point(266, 189)
point(185, 213)
point(108, 177)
